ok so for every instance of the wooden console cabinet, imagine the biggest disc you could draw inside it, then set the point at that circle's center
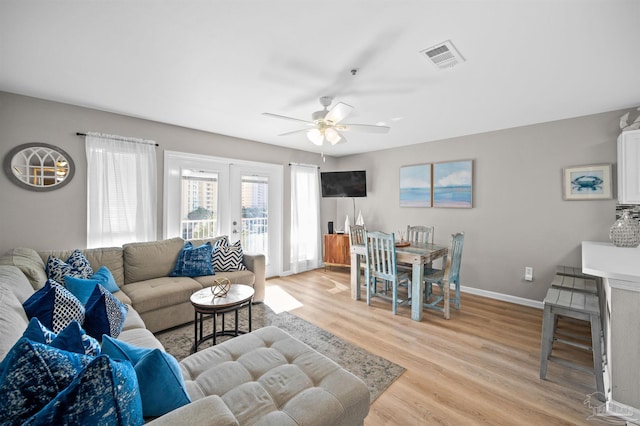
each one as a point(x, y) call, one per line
point(336, 250)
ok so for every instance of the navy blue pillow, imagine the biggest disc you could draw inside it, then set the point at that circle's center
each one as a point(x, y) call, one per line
point(105, 392)
point(104, 314)
point(193, 261)
point(54, 306)
point(33, 374)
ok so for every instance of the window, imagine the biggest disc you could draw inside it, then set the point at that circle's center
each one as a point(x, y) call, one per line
point(121, 190)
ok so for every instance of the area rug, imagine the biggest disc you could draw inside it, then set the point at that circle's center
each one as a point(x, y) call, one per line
point(377, 372)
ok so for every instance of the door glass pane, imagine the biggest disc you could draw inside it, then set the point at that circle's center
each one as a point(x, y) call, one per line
point(255, 208)
point(199, 206)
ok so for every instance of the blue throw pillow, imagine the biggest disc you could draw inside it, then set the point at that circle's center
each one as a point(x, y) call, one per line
point(54, 306)
point(76, 265)
point(105, 278)
point(82, 288)
point(159, 376)
point(105, 392)
point(104, 314)
point(31, 375)
point(193, 261)
point(72, 338)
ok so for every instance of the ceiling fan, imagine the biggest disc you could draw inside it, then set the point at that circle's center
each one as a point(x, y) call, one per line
point(325, 125)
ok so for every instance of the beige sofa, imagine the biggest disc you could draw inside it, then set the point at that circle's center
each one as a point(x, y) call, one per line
point(142, 270)
point(265, 377)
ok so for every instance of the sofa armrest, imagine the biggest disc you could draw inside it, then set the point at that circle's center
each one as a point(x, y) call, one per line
point(210, 410)
point(256, 264)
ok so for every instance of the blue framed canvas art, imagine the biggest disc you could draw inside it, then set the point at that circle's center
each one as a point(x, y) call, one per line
point(453, 184)
point(415, 186)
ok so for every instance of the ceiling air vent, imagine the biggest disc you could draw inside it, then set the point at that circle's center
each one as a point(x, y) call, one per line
point(443, 55)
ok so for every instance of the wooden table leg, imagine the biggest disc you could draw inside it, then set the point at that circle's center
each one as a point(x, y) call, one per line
point(417, 295)
point(355, 276)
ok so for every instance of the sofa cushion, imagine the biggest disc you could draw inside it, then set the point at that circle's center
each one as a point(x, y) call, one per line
point(140, 337)
point(235, 277)
point(13, 320)
point(13, 279)
point(104, 392)
point(104, 314)
point(72, 338)
point(160, 292)
point(149, 260)
point(33, 374)
point(267, 374)
point(54, 306)
point(159, 377)
point(29, 262)
point(193, 261)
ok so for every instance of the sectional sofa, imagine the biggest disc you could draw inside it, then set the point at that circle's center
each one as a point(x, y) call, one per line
point(265, 377)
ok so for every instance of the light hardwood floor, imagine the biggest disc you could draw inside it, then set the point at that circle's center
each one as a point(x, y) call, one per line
point(479, 367)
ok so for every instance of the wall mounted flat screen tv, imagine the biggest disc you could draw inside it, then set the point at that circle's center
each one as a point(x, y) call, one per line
point(344, 184)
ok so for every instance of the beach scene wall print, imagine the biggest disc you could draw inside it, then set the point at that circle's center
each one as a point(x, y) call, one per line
point(415, 186)
point(453, 184)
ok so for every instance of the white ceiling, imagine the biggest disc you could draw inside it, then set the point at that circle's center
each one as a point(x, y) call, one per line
point(217, 65)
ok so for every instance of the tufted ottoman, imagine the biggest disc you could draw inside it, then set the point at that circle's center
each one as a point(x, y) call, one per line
point(267, 377)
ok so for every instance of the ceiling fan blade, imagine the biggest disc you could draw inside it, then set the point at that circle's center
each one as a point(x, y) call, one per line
point(294, 132)
point(366, 128)
point(341, 140)
point(284, 117)
point(339, 112)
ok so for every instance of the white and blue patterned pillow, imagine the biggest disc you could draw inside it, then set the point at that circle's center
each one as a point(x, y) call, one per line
point(76, 265)
point(54, 306)
point(104, 314)
point(32, 374)
point(72, 338)
point(193, 261)
point(227, 258)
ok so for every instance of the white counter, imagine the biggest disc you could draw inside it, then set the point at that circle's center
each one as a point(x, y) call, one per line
point(620, 269)
point(615, 263)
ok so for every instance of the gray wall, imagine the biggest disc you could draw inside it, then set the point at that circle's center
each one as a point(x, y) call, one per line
point(57, 219)
point(519, 217)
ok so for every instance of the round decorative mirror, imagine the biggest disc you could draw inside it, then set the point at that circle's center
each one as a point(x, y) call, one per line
point(39, 166)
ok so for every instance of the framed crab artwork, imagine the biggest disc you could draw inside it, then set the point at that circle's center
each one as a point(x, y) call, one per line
point(592, 182)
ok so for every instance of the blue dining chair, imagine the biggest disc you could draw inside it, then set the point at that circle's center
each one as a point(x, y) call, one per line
point(450, 274)
point(381, 264)
point(420, 234)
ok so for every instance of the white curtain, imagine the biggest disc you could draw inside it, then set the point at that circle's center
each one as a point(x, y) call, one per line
point(306, 247)
point(121, 190)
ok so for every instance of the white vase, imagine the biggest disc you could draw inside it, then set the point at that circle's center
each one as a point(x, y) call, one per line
point(347, 225)
point(360, 220)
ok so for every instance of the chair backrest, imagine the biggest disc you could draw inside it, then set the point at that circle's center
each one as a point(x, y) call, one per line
point(357, 235)
point(420, 234)
point(454, 258)
point(381, 255)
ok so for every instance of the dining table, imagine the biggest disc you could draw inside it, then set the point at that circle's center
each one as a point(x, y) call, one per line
point(415, 254)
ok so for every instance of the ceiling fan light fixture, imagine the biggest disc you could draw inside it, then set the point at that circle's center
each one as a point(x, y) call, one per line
point(332, 135)
point(315, 136)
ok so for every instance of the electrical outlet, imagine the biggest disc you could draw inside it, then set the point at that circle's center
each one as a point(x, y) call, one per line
point(528, 273)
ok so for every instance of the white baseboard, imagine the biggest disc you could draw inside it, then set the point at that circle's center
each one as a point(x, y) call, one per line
point(504, 297)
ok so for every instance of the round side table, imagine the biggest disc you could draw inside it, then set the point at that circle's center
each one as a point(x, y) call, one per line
point(239, 296)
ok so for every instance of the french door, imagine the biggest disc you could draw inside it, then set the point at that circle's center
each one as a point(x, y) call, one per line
point(209, 196)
